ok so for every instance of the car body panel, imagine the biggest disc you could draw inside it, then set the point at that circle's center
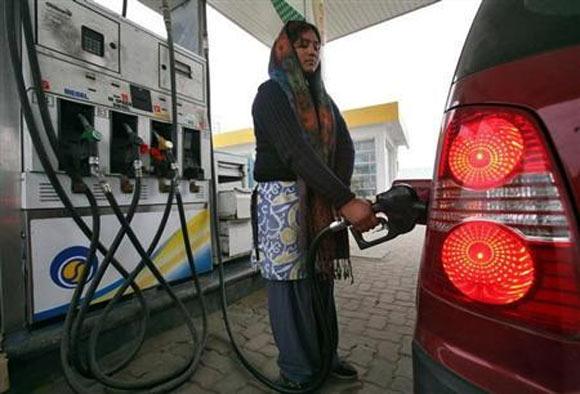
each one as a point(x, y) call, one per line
point(489, 353)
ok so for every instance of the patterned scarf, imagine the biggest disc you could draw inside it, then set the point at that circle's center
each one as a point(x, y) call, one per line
point(313, 110)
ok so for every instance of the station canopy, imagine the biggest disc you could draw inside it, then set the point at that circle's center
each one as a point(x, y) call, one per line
point(263, 18)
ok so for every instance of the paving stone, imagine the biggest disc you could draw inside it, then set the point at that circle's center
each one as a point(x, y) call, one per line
point(366, 388)
point(338, 386)
point(404, 296)
point(356, 326)
point(258, 342)
point(217, 361)
point(191, 388)
point(231, 383)
point(386, 298)
point(391, 307)
point(180, 349)
point(400, 329)
point(350, 306)
point(380, 373)
point(365, 341)
point(254, 330)
point(383, 334)
point(361, 355)
point(355, 315)
point(404, 367)
point(389, 351)
point(255, 358)
point(406, 347)
point(269, 351)
point(377, 322)
point(379, 285)
point(402, 384)
point(270, 368)
point(206, 377)
point(219, 344)
point(249, 389)
point(347, 342)
point(397, 318)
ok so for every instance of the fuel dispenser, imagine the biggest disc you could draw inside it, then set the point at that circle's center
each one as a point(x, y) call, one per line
point(102, 72)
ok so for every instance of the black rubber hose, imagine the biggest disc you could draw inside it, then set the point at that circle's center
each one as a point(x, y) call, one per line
point(95, 332)
point(90, 293)
point(154, 384)
point(95, 368)
point(326, 333)
point(65, 344)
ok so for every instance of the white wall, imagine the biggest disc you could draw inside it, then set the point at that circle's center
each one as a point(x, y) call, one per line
point(385, 151)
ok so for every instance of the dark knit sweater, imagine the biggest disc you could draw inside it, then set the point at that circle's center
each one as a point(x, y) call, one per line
point(283, 153)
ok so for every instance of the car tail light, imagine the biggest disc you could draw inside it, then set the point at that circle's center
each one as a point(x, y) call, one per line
point(500, 234)
point(488, 262)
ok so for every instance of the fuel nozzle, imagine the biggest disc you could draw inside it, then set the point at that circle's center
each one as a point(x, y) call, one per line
point(90, 139)
point(133, 166)
point(134, 151)
point(399, 209)
point(165, 164)
point(88, 149)
point(163, 143)
point(166, 147)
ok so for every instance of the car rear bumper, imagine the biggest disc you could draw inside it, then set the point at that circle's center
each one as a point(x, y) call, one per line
point(432, 377)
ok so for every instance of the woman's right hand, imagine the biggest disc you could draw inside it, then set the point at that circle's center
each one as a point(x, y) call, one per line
point(359, 213)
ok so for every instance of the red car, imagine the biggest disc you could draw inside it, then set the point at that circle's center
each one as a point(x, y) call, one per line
point(498, 298)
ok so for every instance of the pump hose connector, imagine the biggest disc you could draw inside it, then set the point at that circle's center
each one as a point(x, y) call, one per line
point(138, 167)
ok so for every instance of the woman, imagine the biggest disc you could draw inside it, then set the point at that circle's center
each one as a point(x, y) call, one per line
point(304, 162)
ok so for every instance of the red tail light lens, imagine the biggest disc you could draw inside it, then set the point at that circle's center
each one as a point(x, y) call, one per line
point(488, 262)
point(485, 151)
point(500, 233)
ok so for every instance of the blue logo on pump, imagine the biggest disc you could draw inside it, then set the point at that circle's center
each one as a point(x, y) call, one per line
point(68, 266)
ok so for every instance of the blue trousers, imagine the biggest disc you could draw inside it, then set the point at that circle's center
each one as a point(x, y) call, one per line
point(294, 326)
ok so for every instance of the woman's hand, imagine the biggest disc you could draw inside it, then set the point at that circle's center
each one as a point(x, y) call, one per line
point(359, 213)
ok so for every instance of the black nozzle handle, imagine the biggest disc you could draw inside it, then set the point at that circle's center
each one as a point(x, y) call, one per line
point(364, 244)
point(401, 207)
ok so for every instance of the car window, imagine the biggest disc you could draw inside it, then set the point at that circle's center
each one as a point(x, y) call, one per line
point(507, 30)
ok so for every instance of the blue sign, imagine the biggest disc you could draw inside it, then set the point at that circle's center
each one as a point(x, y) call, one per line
point(76, 94)
point(67, 267)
